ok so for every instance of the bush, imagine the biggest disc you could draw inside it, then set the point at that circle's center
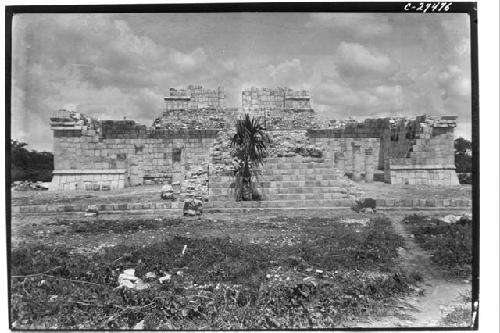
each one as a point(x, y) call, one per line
point(465, 178)
point(364, 203)
point(30, 165)
point(449, 244)
point(463, 155)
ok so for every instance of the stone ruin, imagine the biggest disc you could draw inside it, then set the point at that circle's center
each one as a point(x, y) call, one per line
point(280, 108)
point(188, 148)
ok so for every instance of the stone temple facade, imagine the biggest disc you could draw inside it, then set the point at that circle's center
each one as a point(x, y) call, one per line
point(187, 146)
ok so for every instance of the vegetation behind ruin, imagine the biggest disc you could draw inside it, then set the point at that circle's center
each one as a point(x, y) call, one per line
point(30, 164)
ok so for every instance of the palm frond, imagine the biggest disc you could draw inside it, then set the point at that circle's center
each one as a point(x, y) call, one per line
point(250, 142)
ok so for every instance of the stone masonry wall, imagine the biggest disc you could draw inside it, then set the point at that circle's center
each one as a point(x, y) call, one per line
point(280, 108)
point(145, 154)
point(268, 102)
point(349, 152)
point(421, 151)
point(195, 97)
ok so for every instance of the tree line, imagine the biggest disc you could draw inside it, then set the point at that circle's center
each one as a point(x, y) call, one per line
point(30, 164)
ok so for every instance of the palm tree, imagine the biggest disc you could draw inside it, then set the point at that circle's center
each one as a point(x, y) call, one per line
point(250, 142)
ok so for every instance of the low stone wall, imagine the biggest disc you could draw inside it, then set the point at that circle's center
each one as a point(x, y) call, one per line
point(88, 180)
point(422, 175)
point(176, 208)
point(172, 207)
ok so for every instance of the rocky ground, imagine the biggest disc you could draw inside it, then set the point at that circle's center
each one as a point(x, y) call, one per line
point(355, 270)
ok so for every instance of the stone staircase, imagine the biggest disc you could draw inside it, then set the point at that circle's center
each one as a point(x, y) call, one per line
point(287, 183)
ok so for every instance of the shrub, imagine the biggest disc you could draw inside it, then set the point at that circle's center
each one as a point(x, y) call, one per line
point(449, 244)
point(364, 203)
point(250, 143)
point(30, 165)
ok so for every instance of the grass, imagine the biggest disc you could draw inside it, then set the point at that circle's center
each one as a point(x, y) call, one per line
point(331, 274)
point(93, 226)
point(450, 245)
point(461, 315)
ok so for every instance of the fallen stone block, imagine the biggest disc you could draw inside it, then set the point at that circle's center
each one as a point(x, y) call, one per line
point(167, 192)
point(128, 279)
point(193, 207)
point(91, 211)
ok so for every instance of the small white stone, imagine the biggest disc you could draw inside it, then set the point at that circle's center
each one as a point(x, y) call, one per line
point(139, 325)
point(167, 277)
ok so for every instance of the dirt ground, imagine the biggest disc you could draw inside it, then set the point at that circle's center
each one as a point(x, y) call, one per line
point(151, 193)
point(426, 307)
point(438, 296)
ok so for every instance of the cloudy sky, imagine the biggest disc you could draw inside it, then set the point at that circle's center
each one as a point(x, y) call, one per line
point(359, 65)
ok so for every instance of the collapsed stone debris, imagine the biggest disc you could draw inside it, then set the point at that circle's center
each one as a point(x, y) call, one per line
point(28, 186)
point(187, 149)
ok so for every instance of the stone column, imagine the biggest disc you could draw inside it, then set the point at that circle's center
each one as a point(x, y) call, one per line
point(340, 162)
point(369, 169)
point(177, 172)
point(357, 161)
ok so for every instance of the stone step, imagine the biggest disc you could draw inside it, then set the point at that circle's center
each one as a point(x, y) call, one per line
point(290, 171)
point(286, 197)
point(296, 204)
point(299, 160)
point(285, 190)
point(281, 178)
point(298, 171)
point(298, 165)
point(288, 184)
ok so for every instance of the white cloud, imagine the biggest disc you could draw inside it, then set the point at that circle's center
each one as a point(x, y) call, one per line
point(357, 25)
point(356, 59)
point(188, 61)
point(287, 73)
point(454, 82)
point(464, 130)
point(366, 102)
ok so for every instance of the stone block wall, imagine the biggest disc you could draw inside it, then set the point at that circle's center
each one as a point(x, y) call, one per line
point(415, 151)
point(351, 152)
point(146, 154)
point(255, 99)
point(421, 151)
point(195, 97)
point(89, 180)
point(185, 145)
point(268, 102)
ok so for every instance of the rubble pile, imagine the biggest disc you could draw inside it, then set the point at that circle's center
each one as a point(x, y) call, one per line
point(193, 207)
point(223, 160)
point(195, 185)
point(208, 118)
point(293, 143)
point(28, 185)
point(62, 119)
